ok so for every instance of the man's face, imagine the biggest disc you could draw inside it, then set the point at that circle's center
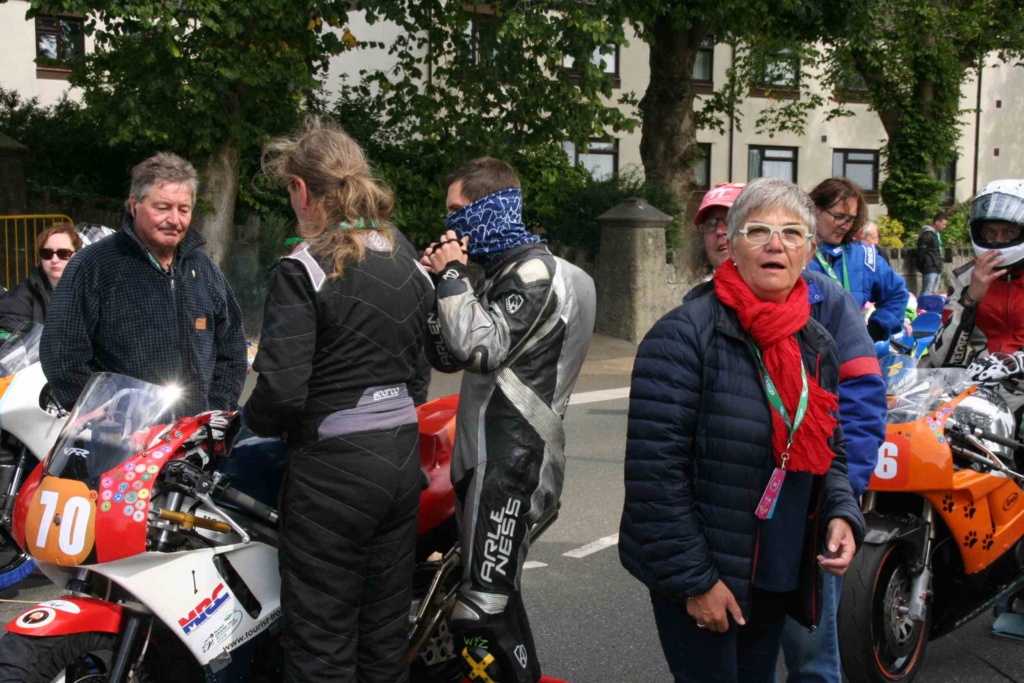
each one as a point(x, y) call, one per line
point(870, 235)
point(455, 199)
point(163, 216)
point(941, 224)
point(716, 244)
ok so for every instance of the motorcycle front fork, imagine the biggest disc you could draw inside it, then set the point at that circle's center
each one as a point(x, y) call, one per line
point(920, 587)
point(131, 643)
point(11, 494)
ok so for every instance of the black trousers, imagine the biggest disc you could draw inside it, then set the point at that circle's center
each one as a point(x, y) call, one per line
point(743, 654)
point(347, 556)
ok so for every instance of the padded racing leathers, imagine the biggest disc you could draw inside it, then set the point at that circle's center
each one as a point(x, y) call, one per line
point(522, 337)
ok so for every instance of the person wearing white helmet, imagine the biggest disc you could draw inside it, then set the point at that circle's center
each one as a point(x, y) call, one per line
point(983, 327)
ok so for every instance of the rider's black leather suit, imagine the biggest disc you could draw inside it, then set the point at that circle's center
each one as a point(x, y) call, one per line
point(522, 337)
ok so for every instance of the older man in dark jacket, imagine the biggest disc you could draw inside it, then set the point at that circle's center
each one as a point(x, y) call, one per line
point(148, 303)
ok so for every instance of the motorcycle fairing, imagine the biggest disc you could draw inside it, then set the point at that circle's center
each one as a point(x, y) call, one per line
point(437, 436)
point(185, 591)
point(21, 415)
point(67, 616)
point(983, 511)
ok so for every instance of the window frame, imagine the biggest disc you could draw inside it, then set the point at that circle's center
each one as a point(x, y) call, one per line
point(58, 67)
point(614, 152)
point(615, 73)
point(949, 196)
point(706, 149)
point(871, 195)
point(787, 91)
point(701, 85)
point(766, 148)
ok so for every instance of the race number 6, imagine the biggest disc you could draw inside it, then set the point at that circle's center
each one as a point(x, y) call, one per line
point(887, 466)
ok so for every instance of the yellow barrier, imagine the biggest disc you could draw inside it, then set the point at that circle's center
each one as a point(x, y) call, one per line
point(19, 243)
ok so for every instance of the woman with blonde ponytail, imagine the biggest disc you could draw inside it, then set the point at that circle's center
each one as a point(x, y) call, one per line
point(343, 328)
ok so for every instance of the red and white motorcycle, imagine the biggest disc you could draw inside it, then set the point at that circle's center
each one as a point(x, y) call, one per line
point(169, 571)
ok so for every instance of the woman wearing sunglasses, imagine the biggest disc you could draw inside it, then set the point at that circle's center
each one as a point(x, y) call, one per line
point(29, 300)
point(856, 266)
point(737, 496)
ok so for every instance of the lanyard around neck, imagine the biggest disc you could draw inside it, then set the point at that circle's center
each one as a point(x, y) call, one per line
point(776, 401)
point(845, 282)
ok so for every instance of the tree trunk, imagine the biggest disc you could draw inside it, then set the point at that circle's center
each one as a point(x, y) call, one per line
point(220, 189)
point(668, 143)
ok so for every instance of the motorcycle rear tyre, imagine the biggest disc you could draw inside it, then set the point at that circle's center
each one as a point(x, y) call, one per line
point(872, 647)
point(29, 659)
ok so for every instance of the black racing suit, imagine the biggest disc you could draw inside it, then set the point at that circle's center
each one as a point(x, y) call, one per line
point(335, 356)
point(522, 337)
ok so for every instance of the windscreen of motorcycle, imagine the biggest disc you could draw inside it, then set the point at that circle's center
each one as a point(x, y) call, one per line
point(917, 392)
point(20, 349)
point(110, 424)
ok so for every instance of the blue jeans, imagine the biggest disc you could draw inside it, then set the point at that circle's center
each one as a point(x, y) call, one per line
point(930, 283)
point(743, 654)
point(814, 657)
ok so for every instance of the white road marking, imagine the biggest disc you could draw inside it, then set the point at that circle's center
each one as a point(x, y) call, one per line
point(596, 396)
point(593, 547)
point(530, 564)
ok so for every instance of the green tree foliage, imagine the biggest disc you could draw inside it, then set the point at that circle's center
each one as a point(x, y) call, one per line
point(914, 56)
point(208, 79)
point(68, 156)
point(485, 77)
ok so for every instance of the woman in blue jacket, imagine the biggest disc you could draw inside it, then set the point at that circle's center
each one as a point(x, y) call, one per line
point(856, 266)
point(737, 496)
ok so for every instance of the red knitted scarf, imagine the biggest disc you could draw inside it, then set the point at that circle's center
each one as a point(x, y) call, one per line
point(773, 328)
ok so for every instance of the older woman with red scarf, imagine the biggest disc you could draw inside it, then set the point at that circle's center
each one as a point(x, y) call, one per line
point(737, 496)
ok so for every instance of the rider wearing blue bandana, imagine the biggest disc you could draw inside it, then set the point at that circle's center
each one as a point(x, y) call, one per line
point(856, 266)
point(521, 336)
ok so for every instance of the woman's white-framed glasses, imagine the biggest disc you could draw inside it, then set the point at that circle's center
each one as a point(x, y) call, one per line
point(759, 234)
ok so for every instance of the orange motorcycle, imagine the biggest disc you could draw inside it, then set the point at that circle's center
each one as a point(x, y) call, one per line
point(945, 519)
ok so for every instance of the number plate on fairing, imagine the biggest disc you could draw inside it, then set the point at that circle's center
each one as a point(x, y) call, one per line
point(60, 525)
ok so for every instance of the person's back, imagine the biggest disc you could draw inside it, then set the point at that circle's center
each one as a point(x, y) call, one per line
point(369, 330)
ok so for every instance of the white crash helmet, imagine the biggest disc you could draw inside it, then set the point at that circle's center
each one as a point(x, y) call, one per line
point(93, 232)
point(1000, 200)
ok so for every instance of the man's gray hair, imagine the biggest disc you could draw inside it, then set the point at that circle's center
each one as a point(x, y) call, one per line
point(160, 169)
point(765, 193)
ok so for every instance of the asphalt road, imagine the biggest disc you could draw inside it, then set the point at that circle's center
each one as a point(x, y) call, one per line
point(592, 622)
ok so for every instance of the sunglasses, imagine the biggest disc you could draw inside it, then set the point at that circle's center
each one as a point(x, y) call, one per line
point(62, 254)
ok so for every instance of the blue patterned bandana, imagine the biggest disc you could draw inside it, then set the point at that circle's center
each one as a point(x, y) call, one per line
point(494, 224)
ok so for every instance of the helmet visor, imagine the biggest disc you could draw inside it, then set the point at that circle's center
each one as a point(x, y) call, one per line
point(997, 207)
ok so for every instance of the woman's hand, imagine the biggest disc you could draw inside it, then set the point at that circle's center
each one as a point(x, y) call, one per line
point(712, 609)
point(449, 248)
point(984, 273)
point(841, 547)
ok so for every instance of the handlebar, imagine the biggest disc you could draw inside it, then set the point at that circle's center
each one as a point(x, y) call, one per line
point(995, 438)
point(249, 504)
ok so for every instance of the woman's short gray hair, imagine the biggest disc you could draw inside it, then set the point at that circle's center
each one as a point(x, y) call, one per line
point(771, 192)
point(160, 169)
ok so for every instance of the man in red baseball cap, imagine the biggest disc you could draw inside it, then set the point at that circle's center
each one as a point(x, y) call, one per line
point(710, 221)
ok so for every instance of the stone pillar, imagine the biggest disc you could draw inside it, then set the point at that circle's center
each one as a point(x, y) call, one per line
point(631, 270)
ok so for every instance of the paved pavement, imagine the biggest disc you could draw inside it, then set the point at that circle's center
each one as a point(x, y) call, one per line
point(592, 621)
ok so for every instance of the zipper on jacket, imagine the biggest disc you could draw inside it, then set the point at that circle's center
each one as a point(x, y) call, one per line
point(753, 569)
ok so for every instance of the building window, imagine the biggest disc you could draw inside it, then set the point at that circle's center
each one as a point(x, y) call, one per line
point(947, 174)
point(482, 29)
point(58, 40)
point(771, 162)
point(703, 68)
point(600, 157)
point(607, 58)
point(702, 169)
point(852, 88)
point(859, 165)
point(779, 75)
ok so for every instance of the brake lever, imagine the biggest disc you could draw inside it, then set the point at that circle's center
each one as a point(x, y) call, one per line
point(202, 491)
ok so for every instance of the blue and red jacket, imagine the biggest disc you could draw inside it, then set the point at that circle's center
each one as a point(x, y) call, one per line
point(868, 278)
